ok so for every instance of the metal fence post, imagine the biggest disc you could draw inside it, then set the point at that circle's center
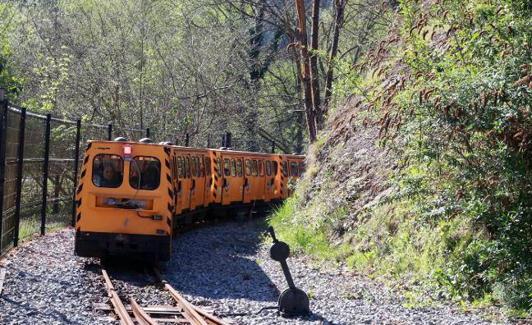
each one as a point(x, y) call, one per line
point(109, 132)
point(20, 169)
point(3, 143)
point(45, 173)
point(76, 167)
point(147, 132)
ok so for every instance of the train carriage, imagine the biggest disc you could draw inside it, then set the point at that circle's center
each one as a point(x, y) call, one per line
point(132, 196)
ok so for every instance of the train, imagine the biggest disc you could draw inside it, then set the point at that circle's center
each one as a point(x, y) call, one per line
point(133, 196)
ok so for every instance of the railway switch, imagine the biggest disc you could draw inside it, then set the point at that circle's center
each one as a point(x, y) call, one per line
point(293, 301)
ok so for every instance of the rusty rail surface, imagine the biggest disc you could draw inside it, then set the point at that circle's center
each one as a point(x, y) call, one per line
point(118, 306)
point(140, 315)
point(184, 313)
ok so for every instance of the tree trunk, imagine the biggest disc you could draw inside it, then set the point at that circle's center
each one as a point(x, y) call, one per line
point(299, 136)
point(338, 22)
point(305, 75)
point(314, 64)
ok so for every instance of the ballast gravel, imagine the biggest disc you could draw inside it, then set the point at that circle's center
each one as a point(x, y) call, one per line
point(224, 267)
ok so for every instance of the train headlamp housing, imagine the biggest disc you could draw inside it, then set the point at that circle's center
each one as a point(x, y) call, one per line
point(127, 151)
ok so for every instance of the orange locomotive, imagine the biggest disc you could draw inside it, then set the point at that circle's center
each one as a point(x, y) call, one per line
point(132, 196)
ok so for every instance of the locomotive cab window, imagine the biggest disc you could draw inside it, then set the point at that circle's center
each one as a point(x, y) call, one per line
point(145, 173)
point(107, 170)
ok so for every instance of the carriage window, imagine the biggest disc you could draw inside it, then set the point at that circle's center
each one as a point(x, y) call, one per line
point(227, 167)
point(145, 173)
point(207, 166)
point(268, 168)
point(180, 167)
point(233, 167)
point(192, 169)
point(219, 165)
point(261, 168)
point(195, 166)
point(187, 167)
point(301, 168)
point(293, 169)
point(248, 167)
point(174, 167)
point(239, 167)
point(285, 168)
point(255, 167)
point(201, 167)
point(275, 168)
point(107, 170)
point(198, 167)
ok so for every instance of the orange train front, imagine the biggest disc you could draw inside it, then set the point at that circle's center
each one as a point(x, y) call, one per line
point(132, 196)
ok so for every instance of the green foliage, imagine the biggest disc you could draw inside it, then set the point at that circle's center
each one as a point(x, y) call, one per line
point(8, 80)
point(471, 141)
point(460, 125)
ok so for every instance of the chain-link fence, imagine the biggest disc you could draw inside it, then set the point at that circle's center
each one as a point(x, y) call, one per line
point(39, 164)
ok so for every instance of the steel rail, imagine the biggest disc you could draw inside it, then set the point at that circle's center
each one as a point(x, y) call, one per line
point(188, 310)
point(140, 315)
point(191, 312)
point(210, 318)
point(118, 306)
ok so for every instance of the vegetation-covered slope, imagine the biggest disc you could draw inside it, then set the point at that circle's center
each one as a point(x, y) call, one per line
point(425, 174)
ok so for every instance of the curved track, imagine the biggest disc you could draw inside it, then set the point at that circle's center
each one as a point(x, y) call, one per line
point(183, 313)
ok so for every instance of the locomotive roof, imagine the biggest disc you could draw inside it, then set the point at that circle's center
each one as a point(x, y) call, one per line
point(248, 153)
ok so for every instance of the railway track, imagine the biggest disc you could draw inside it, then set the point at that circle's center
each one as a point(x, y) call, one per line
point(183, 313)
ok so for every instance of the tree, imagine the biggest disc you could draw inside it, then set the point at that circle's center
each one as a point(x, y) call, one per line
point(306, 70)
point(338, 22)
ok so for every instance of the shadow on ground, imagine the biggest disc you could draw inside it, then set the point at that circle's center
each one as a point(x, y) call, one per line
point(221, 261)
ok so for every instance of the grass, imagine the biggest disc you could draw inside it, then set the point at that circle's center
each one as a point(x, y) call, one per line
point(31, 226)
point(391, 243)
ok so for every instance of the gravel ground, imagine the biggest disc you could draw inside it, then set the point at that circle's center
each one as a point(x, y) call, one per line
point(222, 267)
point(47, 284)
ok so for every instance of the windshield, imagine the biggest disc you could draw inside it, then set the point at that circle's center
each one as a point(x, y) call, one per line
point(149, 170)
point(107, 170)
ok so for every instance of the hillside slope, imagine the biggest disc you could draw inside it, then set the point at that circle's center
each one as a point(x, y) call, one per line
point(424, 176)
